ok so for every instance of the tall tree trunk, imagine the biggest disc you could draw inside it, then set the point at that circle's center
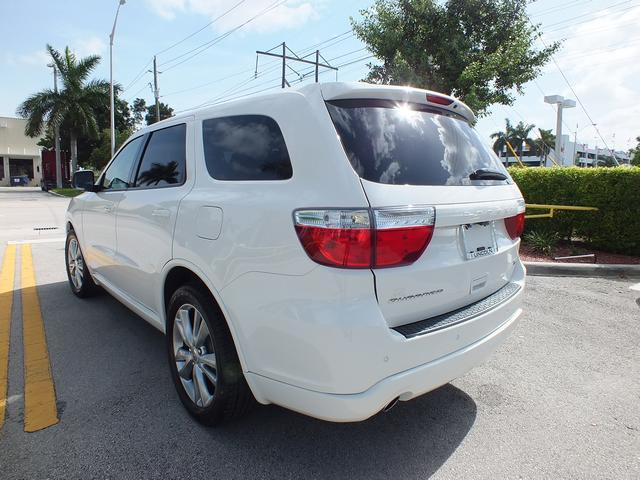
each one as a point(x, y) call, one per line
point(74, 152)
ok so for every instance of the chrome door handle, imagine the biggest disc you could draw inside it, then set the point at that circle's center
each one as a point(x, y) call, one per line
point(161, 212)
point(107, 208)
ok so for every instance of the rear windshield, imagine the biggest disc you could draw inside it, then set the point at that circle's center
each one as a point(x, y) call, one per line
point(411, 144)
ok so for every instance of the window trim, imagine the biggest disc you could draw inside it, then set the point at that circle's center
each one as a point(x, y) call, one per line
point(149, 135)
point(204, 155)
point(135, 161)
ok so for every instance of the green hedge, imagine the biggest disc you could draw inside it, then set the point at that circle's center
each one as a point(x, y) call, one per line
point(615, 191)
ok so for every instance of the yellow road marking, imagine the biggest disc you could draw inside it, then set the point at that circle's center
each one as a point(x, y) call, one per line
point(39, 395)
point(6, 302)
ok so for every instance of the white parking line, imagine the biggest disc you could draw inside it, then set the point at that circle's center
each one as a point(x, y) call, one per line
point(37, 240)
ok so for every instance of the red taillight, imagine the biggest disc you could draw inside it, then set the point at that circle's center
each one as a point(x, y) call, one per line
point(515, 225)
point(438, 99)
point(401, 246)
point(336, 247)
point(348, 238)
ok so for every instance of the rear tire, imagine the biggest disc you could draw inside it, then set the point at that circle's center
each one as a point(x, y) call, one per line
point(203, 360)
point(80, 279)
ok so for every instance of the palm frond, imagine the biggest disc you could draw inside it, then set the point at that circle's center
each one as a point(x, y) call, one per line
point(85, 66)
point(37, 109)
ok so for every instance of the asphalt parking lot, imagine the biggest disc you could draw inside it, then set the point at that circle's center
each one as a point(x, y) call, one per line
point(560, 399)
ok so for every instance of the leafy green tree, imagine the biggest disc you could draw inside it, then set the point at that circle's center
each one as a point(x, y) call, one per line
point(165, 112)
point(635, 154)
point(139, 111)
point(101, 153)
point(478, 50)
point(74, 107)
point(148, 112)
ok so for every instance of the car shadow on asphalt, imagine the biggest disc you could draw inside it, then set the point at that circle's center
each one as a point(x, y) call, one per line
point(136, 401)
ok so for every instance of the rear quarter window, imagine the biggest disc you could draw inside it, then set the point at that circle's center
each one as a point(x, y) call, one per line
point(245, 147)
point(411, 144)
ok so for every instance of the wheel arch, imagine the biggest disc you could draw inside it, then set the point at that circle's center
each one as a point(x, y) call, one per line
point(178, 274)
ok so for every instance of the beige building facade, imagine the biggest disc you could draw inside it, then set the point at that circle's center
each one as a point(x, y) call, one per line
point(20, 155)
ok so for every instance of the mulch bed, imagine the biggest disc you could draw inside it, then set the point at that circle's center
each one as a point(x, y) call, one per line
point(527, 254)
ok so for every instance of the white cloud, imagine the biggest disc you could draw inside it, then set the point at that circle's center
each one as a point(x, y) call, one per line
point(37, 58)
point(599, 57)
point(291, 14)
point(92, 45)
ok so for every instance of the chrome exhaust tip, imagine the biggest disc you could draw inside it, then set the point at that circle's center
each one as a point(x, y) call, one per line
point(391, 404)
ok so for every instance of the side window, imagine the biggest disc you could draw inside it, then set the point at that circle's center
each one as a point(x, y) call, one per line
point(164, 160)
point(118, 175)
point(245, 147)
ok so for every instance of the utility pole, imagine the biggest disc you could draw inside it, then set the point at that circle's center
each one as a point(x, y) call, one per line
point(56, 132)
point(284, 63)
point(156, 92)
point(561, 103)
point(295, 58)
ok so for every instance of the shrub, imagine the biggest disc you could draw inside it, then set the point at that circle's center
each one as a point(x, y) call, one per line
point(543, 242)
point(615, 227)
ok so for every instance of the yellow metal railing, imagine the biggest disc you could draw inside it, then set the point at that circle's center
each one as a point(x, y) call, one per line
point(515, 155)
point(553, 208)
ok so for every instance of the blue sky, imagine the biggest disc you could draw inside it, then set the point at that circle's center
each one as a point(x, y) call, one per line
point(599, 56)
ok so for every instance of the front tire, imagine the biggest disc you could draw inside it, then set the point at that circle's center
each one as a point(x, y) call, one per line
point(203, 360)
point(80, 279)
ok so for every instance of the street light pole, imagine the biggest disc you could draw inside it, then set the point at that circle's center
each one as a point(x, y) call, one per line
point(56, 131)
point(112, 108)
point(561, 103)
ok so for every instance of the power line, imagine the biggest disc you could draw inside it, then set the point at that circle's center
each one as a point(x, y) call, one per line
point(231, 93)
point(138, 76)
point(589, 31)
point(217, 80)
point(271, 66)
point(201, 48)
point(594, 13)
point(571, 4)
point(584, 109)
point(200, 29)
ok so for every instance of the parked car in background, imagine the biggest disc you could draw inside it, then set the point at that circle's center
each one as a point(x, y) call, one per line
point(332, 249)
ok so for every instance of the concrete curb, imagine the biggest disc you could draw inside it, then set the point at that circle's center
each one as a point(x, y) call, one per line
point(550, 269)
point(55, 194)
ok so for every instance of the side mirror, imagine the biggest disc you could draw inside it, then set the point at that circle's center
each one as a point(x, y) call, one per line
point(83, 179)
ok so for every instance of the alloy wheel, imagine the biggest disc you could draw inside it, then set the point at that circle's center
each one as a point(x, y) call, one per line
point(75, 263)
point(195, 358)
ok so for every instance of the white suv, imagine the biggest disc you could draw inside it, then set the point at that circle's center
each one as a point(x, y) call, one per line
point(332, 249)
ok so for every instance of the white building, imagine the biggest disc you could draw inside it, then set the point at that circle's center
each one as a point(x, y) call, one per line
point(571, 153)
point(19, 154)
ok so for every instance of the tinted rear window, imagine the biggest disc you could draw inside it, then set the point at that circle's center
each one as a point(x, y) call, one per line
point(245, 147)
point(411, 144)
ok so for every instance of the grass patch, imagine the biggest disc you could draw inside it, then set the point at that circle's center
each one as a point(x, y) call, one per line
point(67, 192)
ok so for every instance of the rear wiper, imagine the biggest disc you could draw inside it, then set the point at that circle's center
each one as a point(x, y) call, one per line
point(482, 174)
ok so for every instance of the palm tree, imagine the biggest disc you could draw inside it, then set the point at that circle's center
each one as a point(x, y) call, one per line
point(74, 107)
point(502, 137)
point(544, 144)
point(521, 137)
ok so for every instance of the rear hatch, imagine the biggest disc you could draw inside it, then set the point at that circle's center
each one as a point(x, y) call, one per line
point(411, 152)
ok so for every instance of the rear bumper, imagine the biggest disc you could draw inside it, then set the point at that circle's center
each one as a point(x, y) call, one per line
point(405, 385)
